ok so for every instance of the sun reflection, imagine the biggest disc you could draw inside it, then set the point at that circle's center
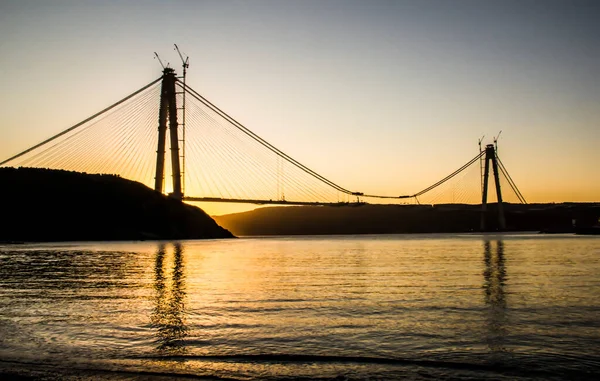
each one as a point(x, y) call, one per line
point(494, 280)
point(168, 317)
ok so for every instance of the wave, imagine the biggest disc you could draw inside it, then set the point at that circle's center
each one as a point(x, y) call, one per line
point(325, 359)
point(439, 368)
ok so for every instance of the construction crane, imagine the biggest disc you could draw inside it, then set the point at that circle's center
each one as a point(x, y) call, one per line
point(185, 63)
point(160, 61)
point(496, 142)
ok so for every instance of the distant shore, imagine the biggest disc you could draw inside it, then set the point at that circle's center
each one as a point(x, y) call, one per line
point(398, 219)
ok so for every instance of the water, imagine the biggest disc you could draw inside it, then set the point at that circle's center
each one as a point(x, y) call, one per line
point(416, 307)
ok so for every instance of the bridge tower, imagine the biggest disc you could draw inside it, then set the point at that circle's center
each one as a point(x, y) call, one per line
point(168, 110)
point(490, 156)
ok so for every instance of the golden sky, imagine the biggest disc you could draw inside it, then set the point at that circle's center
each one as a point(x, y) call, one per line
point(381, 97)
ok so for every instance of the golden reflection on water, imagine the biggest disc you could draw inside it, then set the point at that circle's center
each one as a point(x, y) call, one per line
point(242, 280)
point(168, 317)
point(494, 280)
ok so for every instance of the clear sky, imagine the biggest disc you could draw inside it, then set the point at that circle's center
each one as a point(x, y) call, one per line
point(379, 96)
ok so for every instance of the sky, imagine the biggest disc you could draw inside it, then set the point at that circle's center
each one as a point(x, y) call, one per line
point(382, 96)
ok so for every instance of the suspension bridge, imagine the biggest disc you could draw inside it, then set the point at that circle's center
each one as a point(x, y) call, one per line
point(215, 158)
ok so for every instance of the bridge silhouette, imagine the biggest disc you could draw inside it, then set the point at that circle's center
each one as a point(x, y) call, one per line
point(215, 158)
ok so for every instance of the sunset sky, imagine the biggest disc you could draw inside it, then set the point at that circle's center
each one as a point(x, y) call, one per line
point(379, 96)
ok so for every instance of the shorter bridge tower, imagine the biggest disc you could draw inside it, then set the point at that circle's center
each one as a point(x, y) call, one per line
point(168, 110)
point(490, 156)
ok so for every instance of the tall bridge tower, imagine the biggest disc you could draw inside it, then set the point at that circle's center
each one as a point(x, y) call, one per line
point(168, 110)
point(490, 156)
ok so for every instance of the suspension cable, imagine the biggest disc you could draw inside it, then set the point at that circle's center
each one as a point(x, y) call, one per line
point(275, 150)
point(511, 182)
point(82, 122)
point(449, 176)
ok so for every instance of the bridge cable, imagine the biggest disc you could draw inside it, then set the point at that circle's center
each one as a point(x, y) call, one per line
point(263, 142)
point(505, 177)
point(245, 148)
point(81, 123)
point(48, 156)
point(272, 148)
point(510, 181)
point(449, 176)
point(213, 131)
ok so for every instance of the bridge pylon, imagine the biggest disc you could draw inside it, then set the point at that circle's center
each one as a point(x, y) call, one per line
point(490, 156)
point(168, 110)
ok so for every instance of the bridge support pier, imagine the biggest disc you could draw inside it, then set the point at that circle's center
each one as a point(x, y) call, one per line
point(168, 110)
point(490, 156)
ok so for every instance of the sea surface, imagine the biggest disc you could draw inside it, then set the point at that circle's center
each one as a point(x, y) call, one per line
point(411, 307)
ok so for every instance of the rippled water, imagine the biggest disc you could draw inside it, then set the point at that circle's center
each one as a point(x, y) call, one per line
point(417, 307)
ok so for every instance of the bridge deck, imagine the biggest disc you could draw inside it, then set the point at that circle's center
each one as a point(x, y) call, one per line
point(270, 202)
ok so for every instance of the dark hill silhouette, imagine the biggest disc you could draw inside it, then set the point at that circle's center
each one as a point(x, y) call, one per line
point(391, 219)
point(53, 205)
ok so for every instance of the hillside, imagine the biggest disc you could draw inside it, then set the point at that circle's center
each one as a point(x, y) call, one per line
point(50, 205)
point(390, 219)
